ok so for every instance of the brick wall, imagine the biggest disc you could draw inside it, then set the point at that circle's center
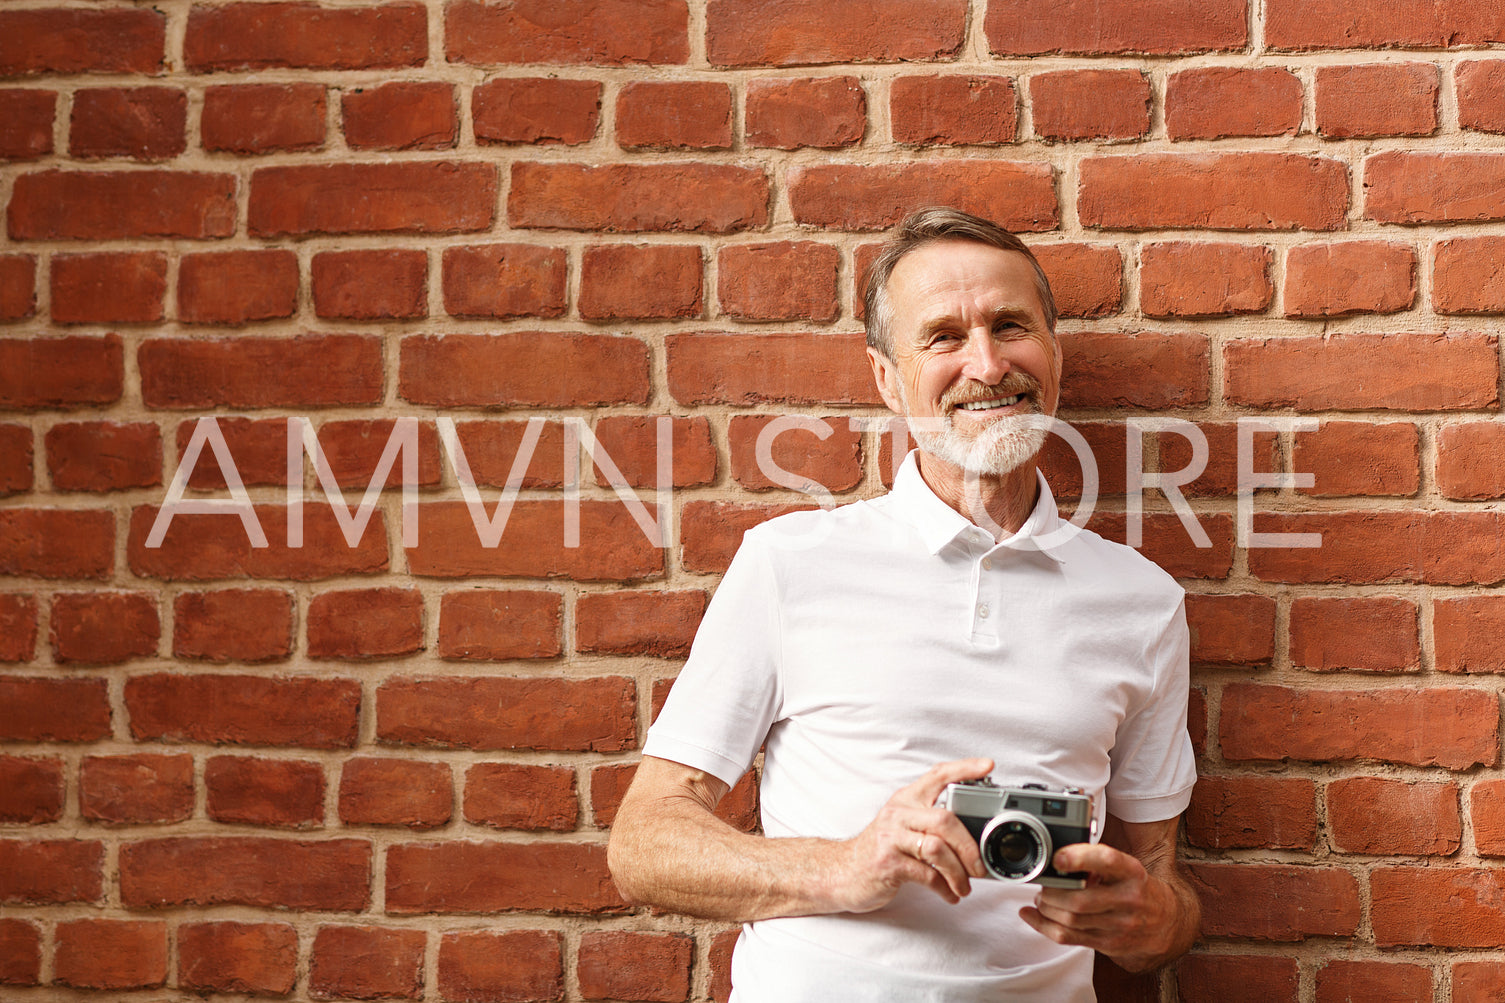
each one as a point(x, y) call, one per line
point(376, 767)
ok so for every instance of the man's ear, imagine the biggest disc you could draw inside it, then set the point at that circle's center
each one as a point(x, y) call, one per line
point(886, 376)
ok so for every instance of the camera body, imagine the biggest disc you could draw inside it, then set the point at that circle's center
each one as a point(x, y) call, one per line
point(1018, 829)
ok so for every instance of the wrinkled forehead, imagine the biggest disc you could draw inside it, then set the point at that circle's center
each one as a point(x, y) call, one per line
point(936, 280)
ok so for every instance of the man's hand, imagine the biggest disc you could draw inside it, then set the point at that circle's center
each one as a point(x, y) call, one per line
point(911, 840)
point(1136, 908)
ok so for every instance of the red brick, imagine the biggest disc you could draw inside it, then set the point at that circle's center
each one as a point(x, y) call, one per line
point(81, 40)
point(1090, 104)
point(1360, 372)
point(315, 713)
point(309, 875)
point(354, 449)
point(1166, 542)
point(1360, 458)
point(1203, 279)
point(111, 205)
point(540, 110)
point(1441, 548)
point(675, 115)
point(1467, 461)
point(256, 36)
point(631, 443)
point(213, 546)
point(51, 871)
point(263, 118)
point(20, 953)
point(1354, 24)
point(660, 624)
point(53, 710)
point(1330, 280)
point(1466, 634)
point(377, 791)
point(31, 790)
point(1436, 907)
point(1219, 191)
point(61, 372)
point(258, 451)
point(104, 628)
point(236, 287)
point(1424, 187)
point(367, 962)
point(104, 456)
point(501, 965)
point(1231, 629)
point(57, 543)
point(1486, 810)
point(1017, 196)
point(1238, 978)
point(18, 627)
point(1477, 981)
point(1146, 370)
point(952, 110)
point(1251, 812)
point(417, 197)
point(739, 808)
point(26, 122)
point(608, 33)
point(110, 954)
point(108, 287)
point(471, 877)
point(404, 115)
point(787, 280)
point(312, 370)
point(524, 369)
point(804, 453)
point(1440, 726)
point(499, 625)
point(777, 368)
point(1340, 981)
point(710, 532)
point(257, 959)
point(696, 198)
point(721, 965)
point(788, 113)
point(1388, 817)
point(596, 713)
point(641, 282)
point(1481, 95)
point(519, 796)
point(365, 623)
point(15, 462)
point(254, 791)
point(1275, 901)
point(137, 789)
point(1216, 102)
point(1085, 27)
point(1220, 477)
point(505, 280)
point(1085, 279)
point(370, 285)
point(618, 964)
point(1367, 634)
point(142, 123)
point(1466, 275)
point(492, 447)
point(807, 32)
point(1380, 99)
point(612, 545)
point(1063, 469)
point(18, 286)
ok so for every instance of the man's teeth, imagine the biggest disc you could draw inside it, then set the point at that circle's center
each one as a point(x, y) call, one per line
point(991, 403)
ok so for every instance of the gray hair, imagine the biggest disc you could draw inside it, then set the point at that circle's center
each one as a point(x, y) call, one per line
point(927, 226)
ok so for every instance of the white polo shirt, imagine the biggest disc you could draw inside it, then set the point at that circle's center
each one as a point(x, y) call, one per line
point(867, 643)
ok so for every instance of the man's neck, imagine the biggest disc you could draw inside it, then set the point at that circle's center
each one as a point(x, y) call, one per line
point(1007, 499)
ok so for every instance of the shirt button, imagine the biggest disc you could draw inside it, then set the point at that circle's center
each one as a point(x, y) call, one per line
point(987, 564)
point(982, 611)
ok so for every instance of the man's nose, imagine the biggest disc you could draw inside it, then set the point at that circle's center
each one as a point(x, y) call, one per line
point(986, 362)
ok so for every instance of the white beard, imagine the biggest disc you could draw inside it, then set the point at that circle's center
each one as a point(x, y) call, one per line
point(1004, 446)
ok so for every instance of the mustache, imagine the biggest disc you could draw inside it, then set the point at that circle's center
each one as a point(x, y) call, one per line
point(1014, 383)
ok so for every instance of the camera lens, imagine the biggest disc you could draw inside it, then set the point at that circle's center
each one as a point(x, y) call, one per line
point(1015, 847)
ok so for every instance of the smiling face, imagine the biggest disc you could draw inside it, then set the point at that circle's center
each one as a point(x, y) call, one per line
point(973, 355)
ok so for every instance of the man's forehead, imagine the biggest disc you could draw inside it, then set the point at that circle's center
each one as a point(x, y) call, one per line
point(1000, 281)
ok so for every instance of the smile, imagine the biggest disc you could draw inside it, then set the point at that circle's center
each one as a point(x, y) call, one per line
point(992, 402)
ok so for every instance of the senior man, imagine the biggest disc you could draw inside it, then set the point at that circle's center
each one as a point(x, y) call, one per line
point(954, 628)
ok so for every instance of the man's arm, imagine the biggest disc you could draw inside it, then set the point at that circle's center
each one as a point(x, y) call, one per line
point(1137, 908)
point(668, 850)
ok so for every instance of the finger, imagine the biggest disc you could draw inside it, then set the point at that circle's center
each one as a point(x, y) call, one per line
point(1108, 865)
point(1057, 932)
point(929, 786)
point(940, 856)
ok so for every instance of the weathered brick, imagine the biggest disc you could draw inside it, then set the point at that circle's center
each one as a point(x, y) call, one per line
point(641, 282)
point(1147, 370)
point(521, 796)
point(1467, 460)
point(1203, 279)
point(1216, 191)
point(26, 122)
point(1477, 981)
point(1339, 981)
point(1438, 547)
point(142, 123)
point(51, 871)
point(769, 368)
point(1017, 196)
point(370, 285)
point(237, 287)
point(1481, 95)
point(381, 791)
point(631, 442)
point(806, 32)
point(354, 449)
point(674, 115)
point(1380, 99)
point(138, 789)
point(18, 286)
point(251, 790)
point(1084, 27)
point(255, 36)
point(498, 625)
point(789, 113)
point(534, 369)
point(1330, 280)
point(110, 954)
point(16, 474)
point(108, 287)
point(1231, 629)
point(1387, 817)
point(82, 40)
point(618, 964)
point(67, 372)
point(104, 628)
point(1464, 632)
point(787, 280)
point(1365, 634)
point(113, 205)
point(609, 33)
point(660, 624)
point(810, 454)
point(1085, 279)
point(367, 962)
point(314, 713)
point(1253, 812)
point(53, 710)
point(417, 197)
point(57, 543)
point(1276, 901)
point(595, 713)
point(710, 531)
point(358, 624)
point(1426, 187)
point(263, 118)
point(20, 953)
point(492, 449)
point(1064, 471)
point(1360, 458)
point(31, 790)
point(200, 547)
point(403, 115)
point(318, 370)
point(1466, 275)
point(257, 959)
point(1090, 104)
point(693, 197)
point(470, 877)
point(511, 964)
point(1166, 542)
point(952, 110)
point(1246, 978)
point(505, 280)
point(1220, 477)
point(541, 110)
point(1216, 102)
point(331, 875)
point(1486, 810)
point(1354, 24)
point(103, 455)
point(1436, 906)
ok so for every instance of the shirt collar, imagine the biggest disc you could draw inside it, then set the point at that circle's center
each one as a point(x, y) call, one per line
point(939, 524)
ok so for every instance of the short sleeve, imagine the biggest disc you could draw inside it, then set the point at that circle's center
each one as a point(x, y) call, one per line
point(727, 695)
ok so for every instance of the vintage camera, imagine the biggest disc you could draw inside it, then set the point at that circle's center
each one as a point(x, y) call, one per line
point(1018, 829)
